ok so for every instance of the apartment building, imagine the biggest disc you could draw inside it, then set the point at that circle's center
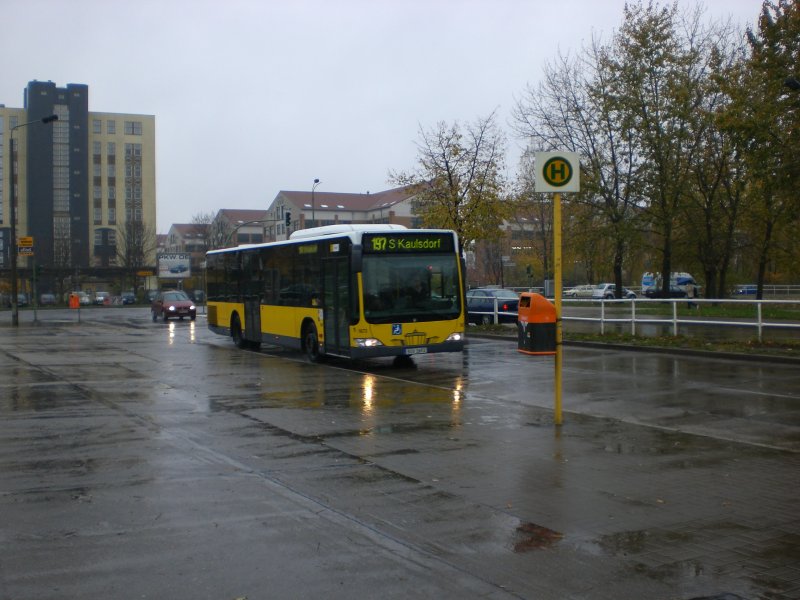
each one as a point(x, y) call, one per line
point(316, 209)
point(85, 184)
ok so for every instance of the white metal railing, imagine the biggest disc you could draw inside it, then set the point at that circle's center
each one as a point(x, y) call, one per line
point(759, 323)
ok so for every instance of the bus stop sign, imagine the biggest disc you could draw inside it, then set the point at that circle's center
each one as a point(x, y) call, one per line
point(558, 172)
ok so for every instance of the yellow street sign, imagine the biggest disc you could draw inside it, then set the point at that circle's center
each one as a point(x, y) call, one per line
point(26, 242)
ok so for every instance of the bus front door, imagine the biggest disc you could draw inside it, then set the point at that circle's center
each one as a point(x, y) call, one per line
point(335, 306)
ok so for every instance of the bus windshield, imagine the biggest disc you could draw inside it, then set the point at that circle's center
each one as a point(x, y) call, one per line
point(410, 287)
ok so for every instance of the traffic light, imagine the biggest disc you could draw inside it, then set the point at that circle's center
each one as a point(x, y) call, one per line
point(288, 218)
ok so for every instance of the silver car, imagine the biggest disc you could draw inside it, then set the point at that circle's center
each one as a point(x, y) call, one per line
point(579, 291)
point(606, 291)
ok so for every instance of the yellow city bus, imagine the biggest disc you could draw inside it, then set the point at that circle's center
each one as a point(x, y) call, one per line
point(354, 291)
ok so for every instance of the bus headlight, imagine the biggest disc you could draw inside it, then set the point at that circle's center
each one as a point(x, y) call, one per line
point(367, 342)
point(455, 337)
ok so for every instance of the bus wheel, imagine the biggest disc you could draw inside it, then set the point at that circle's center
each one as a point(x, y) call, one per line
point(404, 362)
point(310, 342)
point(236, 333)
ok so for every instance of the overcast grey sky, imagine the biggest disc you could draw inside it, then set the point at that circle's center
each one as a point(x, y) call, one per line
point(253, 97)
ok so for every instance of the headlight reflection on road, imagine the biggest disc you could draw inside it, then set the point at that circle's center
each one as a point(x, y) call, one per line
point(458, 391)
point(171, 333)
point(192, 334)
point(368, 393)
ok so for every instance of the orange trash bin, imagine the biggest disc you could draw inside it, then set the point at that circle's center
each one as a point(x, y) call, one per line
point(536, 325)
point(74, 301)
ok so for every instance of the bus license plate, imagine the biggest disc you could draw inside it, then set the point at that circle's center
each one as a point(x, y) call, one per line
point(416, 351)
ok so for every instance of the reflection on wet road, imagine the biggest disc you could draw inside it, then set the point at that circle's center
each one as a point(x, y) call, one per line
point(161, 444)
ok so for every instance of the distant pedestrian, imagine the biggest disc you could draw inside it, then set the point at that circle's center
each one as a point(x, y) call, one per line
point(690, 294)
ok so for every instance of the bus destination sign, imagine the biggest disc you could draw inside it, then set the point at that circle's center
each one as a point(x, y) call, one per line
point(385, 243)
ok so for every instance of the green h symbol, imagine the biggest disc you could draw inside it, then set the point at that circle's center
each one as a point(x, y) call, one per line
point(557, 171)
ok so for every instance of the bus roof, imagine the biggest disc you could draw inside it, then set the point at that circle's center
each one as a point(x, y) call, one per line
point(339, 229)
point(328, 231)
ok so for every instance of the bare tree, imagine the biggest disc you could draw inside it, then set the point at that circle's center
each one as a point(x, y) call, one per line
point(572, 109)
point(206, 219)
point(458, 179)
point(715, 196)
point(136, 247)
point(657, 69)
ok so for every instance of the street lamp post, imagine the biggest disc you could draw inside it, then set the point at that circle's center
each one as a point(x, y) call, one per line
point(313, 217)
point(12, 214)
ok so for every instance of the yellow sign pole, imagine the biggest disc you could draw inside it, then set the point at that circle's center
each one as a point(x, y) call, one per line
point(557, 172)
point(557, 292)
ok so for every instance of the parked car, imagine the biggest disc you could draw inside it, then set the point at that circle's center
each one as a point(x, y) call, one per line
point(579, 291)
point(607, 291)
point(481, 303)
point(128, 298)
point(102, 298)
point(746, 290)
point(47, 299)
point(172, 303)
point(657, 292)
point(22, 300)
point(675, 291)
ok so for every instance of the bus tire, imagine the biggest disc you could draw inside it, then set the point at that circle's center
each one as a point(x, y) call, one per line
point(236, 332)
point(311, 342)
point(404, 362)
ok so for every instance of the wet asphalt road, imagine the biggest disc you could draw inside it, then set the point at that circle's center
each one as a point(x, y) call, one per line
point(151, 460)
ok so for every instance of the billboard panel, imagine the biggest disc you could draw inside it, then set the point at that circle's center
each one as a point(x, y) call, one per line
point(174, 266)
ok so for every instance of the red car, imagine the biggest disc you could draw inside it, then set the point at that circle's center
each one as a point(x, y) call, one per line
point(173, 303)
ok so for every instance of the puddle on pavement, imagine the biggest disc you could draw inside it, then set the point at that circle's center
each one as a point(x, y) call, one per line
point(530, 536)
point(365, 393)
point(40, 398)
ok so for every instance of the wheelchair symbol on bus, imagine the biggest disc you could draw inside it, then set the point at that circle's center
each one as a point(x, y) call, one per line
point(397, 328)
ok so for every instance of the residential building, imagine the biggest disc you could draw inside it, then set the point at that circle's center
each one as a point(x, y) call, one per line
point(315, 209)
point(85, 185)
point(191, 239)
